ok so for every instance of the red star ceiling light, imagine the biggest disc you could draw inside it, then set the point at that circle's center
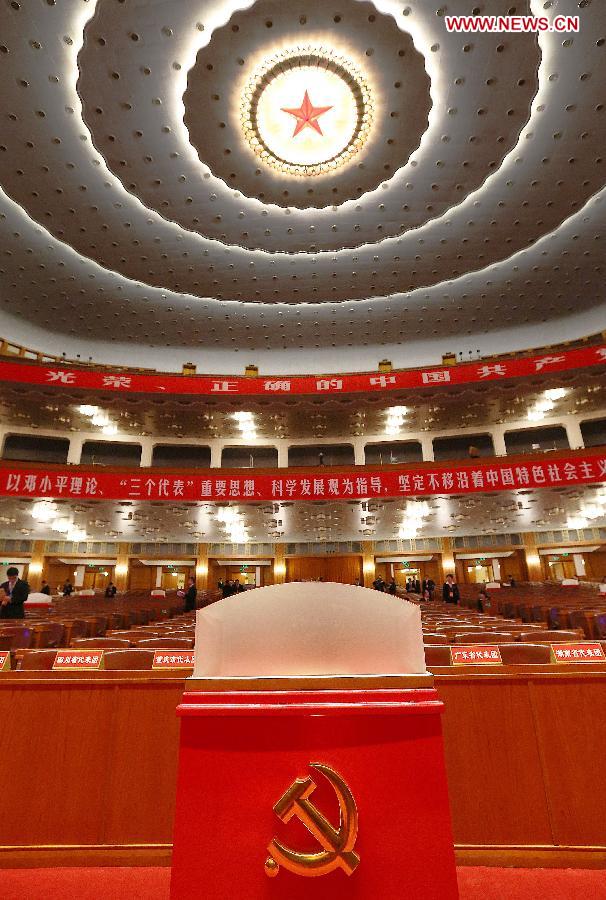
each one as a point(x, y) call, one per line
point(307, 115)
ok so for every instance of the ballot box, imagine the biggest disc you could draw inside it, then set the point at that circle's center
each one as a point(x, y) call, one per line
point(311, 760)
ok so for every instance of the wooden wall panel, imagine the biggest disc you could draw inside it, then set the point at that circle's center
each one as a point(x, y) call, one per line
point(341, 569)
point(92, 760)
point(595, 565)
point(570, 720)
point(493, 764)
point(141, 578)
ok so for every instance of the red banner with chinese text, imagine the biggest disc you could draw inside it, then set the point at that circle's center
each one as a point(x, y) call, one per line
point(443, 479)
point(56, 375)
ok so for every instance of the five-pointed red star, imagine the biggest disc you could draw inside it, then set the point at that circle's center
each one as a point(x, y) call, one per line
point(307, 115)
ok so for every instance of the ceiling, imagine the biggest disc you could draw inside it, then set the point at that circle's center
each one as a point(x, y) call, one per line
point(496, 513)
point(140, 228)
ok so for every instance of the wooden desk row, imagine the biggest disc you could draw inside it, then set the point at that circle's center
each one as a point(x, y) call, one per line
point(88, 765)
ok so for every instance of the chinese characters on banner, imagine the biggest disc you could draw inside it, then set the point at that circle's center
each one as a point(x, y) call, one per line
point(480, 477)
point(78, 659)
point(583, 651)
point(65, 377)
point(173, 659)
point(476, 654)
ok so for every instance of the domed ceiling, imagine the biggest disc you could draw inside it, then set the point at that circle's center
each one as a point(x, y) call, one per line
point(229, 183)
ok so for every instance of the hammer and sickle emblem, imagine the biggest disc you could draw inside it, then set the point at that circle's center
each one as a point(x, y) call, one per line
point(338, 844)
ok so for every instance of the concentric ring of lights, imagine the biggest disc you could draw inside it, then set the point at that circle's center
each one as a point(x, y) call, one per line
point(306, 57)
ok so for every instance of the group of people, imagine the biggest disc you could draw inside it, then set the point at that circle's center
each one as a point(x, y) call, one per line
point(425, 588)
point(230, 587)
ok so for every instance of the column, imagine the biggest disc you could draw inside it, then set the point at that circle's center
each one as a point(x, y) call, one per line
point(533, 560)
point(498, 442)
point(447, 560)
point(574, 435)
point(427, 449)
point(74, 453)
point(36, 566)
point(215, 455)
point(79, 576)
point(359, 454)
point(121, 569)
point(202, 567)
point(282, 455)
point(147, 452)
point(158, 583)
point(368, 562)
point(579, 565)
point(496, 568)
point(279, 564)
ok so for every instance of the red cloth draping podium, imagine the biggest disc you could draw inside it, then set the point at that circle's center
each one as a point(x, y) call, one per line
point(291, 793)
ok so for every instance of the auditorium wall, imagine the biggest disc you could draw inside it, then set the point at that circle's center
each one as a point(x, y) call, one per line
point(344, 569)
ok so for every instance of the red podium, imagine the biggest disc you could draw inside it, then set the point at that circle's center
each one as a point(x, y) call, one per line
point(310, 788)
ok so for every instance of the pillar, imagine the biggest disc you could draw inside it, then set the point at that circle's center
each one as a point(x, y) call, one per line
point(533, 560)
point(158, 583)
point(279, 564)
point(121, 570)
point(79, 576)
point(202, 567)
point(427, 449)
point(498, 442)
point(282, 455)
point(359, 453)
point(579, 565)
point(447, 560)
point(215, 455)
point(147, 452)
point(574, 434)
point(36, 566)
point(368, 562)
point(496, 568)
point(74, 452)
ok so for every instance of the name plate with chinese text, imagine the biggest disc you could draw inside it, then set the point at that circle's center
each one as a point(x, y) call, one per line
point(476, 654)
point(172, 659)
point(67, 660)
point(581, 651)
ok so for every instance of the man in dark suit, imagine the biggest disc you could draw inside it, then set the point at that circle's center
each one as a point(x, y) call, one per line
point(191, 595)
point(450, 590)
point(13, 594)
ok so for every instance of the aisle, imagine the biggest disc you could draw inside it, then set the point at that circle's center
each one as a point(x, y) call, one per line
point(153, 884)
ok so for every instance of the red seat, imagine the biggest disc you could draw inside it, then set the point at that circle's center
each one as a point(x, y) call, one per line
point(167, 643)
point(101, 643)
point(437, 655)
point(130, 660)
point(519, 654)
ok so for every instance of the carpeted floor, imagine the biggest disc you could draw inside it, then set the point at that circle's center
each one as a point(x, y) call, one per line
point(153, 884)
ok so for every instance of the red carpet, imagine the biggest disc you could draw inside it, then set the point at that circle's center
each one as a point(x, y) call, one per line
point(152, 884)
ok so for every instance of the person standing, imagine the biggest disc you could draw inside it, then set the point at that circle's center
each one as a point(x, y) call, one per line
point(111, 590)
point(392, 587)
point(191, 595)
point(15, 594)
point(450, 590)
point(45, 589)
point(67, 588)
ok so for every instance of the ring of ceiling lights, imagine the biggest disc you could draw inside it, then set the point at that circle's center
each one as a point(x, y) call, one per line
point(122, 206)
point(258, 117)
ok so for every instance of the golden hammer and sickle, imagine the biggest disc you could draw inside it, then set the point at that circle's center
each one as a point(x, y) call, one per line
point(338, 845)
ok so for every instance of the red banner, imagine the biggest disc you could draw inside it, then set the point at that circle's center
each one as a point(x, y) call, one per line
point(461, 478)
point(56, 375)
